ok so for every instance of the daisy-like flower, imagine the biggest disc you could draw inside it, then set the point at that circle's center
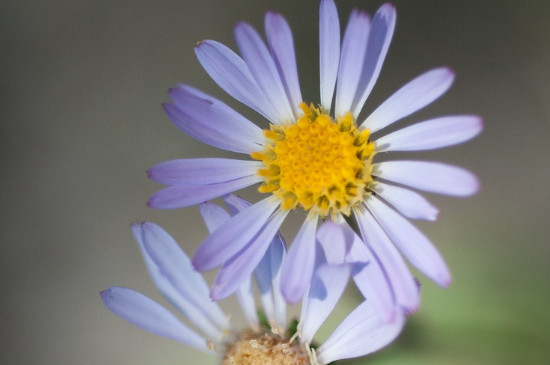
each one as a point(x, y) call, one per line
point(267, 339)
point(316, 158)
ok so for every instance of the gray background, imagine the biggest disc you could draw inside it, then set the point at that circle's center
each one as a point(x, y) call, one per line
point(81, 119)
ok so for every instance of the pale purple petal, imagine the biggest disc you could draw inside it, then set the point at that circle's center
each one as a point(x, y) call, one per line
point(264, 71)
point(174, 265)
point(414, 245)
point(351, 61)
point(329, 50)
point(213, 215)
point(412, 97)
point(268, 274)
point(361, 333)
point(407, 202)
point(281, 43)
point(326, 289)
point(233, 235)
point(147, 314)
point(298, 268)
point(180, 196)
point(245, 296)
point(232, 74)
point(342, 245)
point(235, 204)
point(210, 323)
point(432, 134)
point(380, 36)
point(402, 282)
point(434, 177)
point(202, 171)
point(241, 265)
point(212, 122)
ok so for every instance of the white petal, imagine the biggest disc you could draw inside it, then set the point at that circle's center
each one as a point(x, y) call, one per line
point(329, 50)
point(412, 97)
point(325, 291)
point(401, 279)
point(147, 314)
point(432, 134)
point(351, 61)
point(361, 333)
point(434, 177)
point(414, 245)
point(407, 202)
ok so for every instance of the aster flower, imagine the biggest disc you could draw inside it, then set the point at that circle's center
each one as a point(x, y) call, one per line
point(319, 159)
point(265, 340)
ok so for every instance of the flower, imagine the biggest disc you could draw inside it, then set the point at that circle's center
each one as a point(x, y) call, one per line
point(311, 159)
point(265, 341)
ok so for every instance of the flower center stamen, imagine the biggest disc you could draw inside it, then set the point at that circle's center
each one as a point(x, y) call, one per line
point(264, 349)
point(317, 163)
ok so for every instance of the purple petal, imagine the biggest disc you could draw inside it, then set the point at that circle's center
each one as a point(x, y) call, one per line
point(342, 245)
point(263, 68)
point(407, 202)
point(235, 204)
point(360, 333)
point(268, 274)
point(279, 38)
point(414, 245)
point(233, 235)
point(232, 74)
point(298, 268)
point(325, 291)
point(401, 279)
point(434, 177)
point(380, 36)
point(211, 321)
point(432, 134)
point(329, 50)
point(212, 122)
point(175, 267)
point(245, 296)
point(180, 196)
point(147, 314)
point(351, 61)
point(241, 265)
point(202, 171)
point(412, 97)
point(213, 215)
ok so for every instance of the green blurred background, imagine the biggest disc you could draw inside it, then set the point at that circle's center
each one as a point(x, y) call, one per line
point(81, 120)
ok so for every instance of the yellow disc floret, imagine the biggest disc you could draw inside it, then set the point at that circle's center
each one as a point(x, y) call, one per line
point(317, 163)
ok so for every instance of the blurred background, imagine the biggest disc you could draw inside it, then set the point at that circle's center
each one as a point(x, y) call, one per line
point(81, 120)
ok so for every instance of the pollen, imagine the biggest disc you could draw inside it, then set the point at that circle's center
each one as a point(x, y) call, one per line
point(264, 349)
point(318, 163)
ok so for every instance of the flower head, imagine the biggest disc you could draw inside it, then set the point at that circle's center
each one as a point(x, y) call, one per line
point(266, 340)
point(316, 158)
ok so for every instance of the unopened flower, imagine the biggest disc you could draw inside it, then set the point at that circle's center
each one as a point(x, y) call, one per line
point(265, 340)
point(316, 158)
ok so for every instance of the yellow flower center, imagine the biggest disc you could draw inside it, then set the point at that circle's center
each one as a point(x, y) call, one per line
point(317, 163)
